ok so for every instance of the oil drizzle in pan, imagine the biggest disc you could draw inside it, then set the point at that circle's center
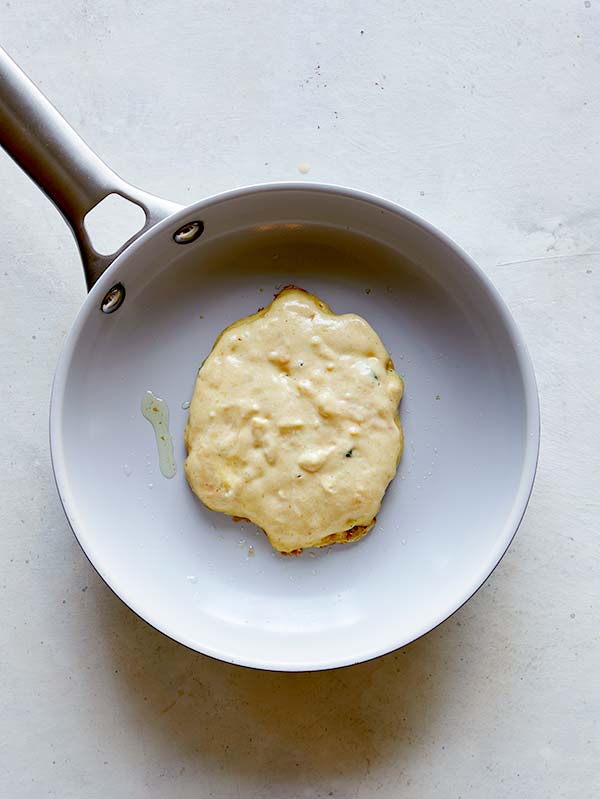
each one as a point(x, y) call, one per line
point(156, 411)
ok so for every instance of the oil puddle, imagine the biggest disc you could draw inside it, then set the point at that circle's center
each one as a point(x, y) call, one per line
point(156, 411)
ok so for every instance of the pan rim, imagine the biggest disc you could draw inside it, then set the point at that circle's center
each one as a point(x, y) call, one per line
point(505, 535)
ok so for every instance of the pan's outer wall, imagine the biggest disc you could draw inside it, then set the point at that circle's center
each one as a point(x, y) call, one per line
point(329, 622)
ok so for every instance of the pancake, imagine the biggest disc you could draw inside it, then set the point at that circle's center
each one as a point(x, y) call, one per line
point(294, 424)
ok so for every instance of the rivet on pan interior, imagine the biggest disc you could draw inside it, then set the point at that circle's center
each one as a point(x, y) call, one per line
point(113, 298)
point(189, 232)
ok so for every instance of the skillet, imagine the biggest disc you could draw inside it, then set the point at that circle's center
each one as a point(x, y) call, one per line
point(154, 308)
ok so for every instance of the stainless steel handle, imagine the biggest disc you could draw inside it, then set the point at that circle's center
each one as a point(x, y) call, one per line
point(63, 166)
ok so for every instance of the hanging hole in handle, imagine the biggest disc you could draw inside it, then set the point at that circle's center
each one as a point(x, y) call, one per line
point(189, 232)
point(113, 299)
point(113, 221)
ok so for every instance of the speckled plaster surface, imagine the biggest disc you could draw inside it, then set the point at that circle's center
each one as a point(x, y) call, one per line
point(482, 117)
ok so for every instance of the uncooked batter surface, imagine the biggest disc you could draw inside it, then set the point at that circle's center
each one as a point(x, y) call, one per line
point(294, 423)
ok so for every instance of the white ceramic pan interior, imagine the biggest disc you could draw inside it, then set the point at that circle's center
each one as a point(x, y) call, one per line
point(470, 417)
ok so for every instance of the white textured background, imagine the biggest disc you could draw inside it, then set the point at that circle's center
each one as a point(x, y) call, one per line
point(481, 116)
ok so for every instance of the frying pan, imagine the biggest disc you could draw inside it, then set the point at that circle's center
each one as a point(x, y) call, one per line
point(154, 309)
